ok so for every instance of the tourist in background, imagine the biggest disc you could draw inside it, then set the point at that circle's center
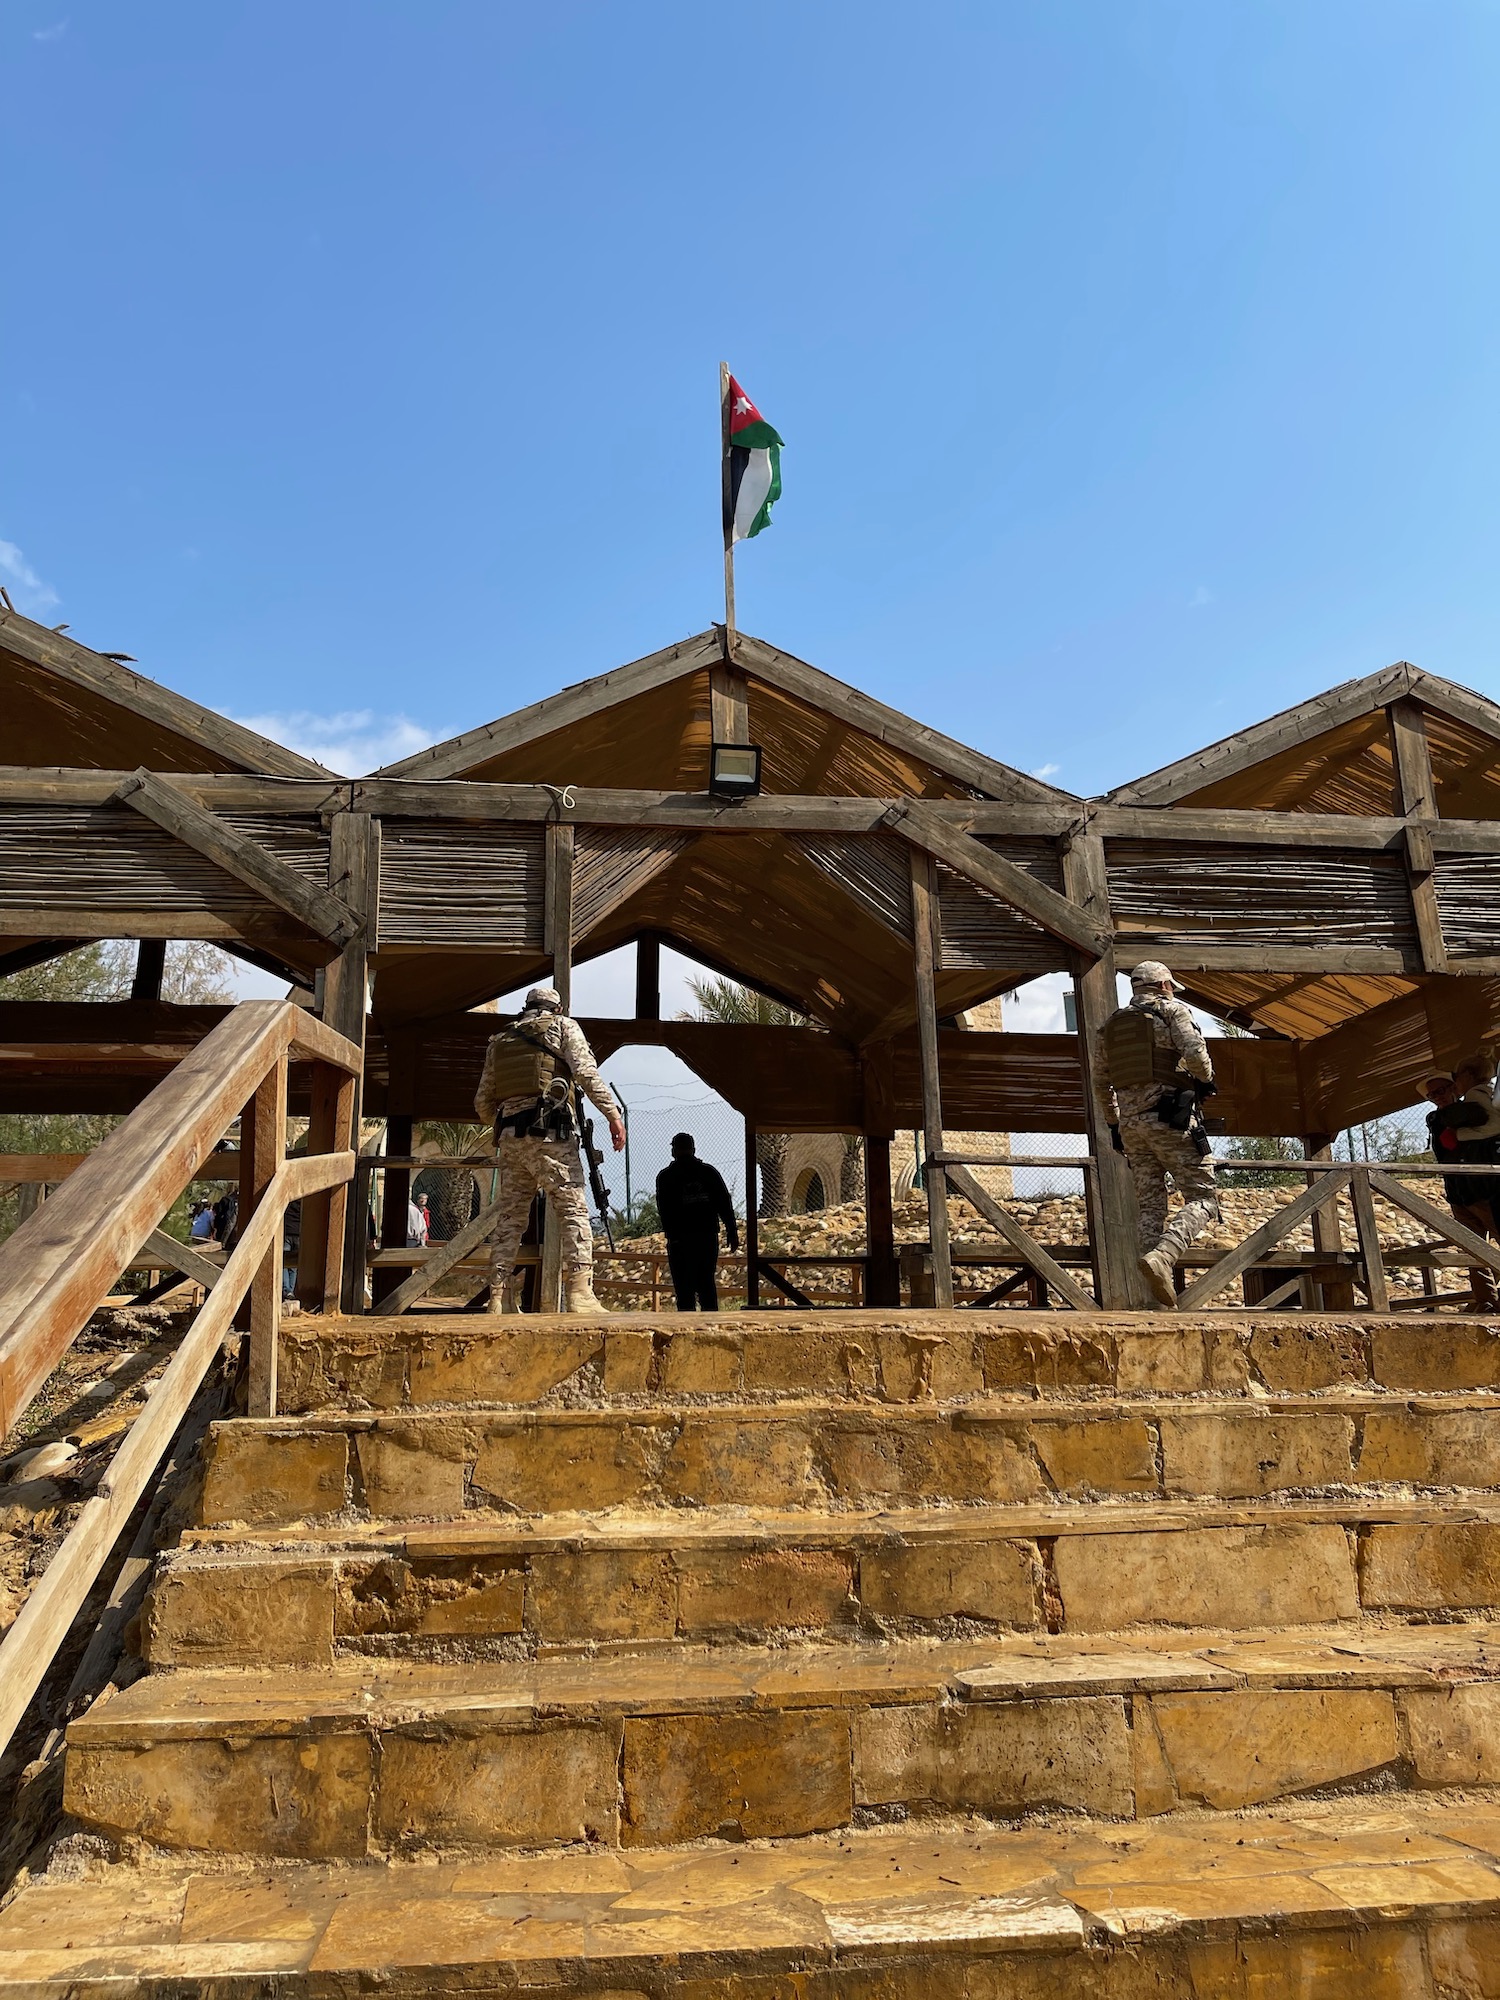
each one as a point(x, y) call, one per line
point(692, 1201)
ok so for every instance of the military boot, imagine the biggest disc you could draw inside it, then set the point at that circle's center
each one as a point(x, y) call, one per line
point(1156, 1267)
point(505, 1298)
point(578, 1295)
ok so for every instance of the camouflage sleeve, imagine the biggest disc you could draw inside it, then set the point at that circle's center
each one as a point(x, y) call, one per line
point(1189, 1043)
point(580, 1059)
point(486, 1103)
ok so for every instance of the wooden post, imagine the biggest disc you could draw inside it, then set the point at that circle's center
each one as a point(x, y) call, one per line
point(150, 969)
point(558, 940)
point(727, 495)
point(924, 911)
point(395, 1199)
point(729, 704)
point(1369, 1240)
point(1113, 1227)
point(263, 1142)
point(648, 979)
point(883, 1275)
point(752, 1223)
point(1327, 1234)
point(1417, 795)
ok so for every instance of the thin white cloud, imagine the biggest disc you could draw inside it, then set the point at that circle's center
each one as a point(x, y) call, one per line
point(26, 588)
point(53, 34)
point(1046, 770)
point(352, 741)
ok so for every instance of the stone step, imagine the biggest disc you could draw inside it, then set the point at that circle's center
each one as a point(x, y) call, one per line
point(429, 1463)
point(766, 1744)
point(459, 1358)
point(232, 1597)
point(1341, 1902)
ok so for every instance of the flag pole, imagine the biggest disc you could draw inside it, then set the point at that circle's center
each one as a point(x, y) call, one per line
point(727, 500)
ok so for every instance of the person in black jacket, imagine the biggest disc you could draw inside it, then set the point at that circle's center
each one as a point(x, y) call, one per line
point(692, 1201)
point(1455, 1142)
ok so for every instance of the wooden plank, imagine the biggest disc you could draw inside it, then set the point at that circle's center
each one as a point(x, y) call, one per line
point(729, 704)
point(648, 979)
point(1241, 826)
point(1000, 877)
point(1367, 1229)
point(42, 952)
point(1020, 1241)
point(926, 951)
point(1477, 1248)
point(1232, 754)
point(325, 1254)
point(170, 808)
point(440, 1260)
point(764, 1268)
point(86, 925)
point(182, 1257)
point(116, 683)
point(1215, 1279)
point(263, 1140)
point(752, 1221)
point(56, 1266)
point(1272, 958)
point(1418, 795)
point(1108, 1192)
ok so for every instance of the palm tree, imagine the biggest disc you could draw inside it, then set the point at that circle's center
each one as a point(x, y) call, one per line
point(725, 1000)
point(450, 1191)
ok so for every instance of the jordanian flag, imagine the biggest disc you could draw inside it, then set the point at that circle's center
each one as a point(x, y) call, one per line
point(754, 469)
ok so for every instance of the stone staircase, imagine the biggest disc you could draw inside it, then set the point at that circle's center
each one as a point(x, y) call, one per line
point(792, 1656)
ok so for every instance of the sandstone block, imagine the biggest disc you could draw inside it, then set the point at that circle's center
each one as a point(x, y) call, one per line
point(499, 1366)
point(1026, 1358)
point(628, 1356)
point(1454, 1566)
point(911, 1459)
point(412, 1471)
point(1454, 1733)
point(702, 1364)
point(552, 1468)
point(1465, 1958)
point(1221, 1454)
point(240, 1614)
point(755, 1590)
point(999, 1582)
point(1380, 1964)
point(739, 1776)
point(474, 1597)
point(1297, 1573)
point(302, 1798)
point(997, 1756)
point(812, 1361)
point(603, 1594)
point(1243, 1747)
point(718, 1461)
point(498, 1787)
point(1101, 1455)
point(1432, 1447)
point(1322, 1356)
point(261, 1476)
point(1166, 1362)
point(1439, 1356)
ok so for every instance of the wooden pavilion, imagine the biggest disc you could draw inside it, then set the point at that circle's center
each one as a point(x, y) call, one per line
point(1324, 881)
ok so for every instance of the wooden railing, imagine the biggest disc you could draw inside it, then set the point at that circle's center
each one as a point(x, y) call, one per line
point(63, 1260)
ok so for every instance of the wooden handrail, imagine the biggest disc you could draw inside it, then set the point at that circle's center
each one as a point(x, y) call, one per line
point(53, 1275)
point(62, 1260)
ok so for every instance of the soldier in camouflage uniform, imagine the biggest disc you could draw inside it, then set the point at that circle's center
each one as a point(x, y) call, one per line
point(1175, 1056)
point(529, 1159)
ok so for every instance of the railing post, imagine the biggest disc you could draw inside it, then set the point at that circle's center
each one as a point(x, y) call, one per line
point(1368, 1230)
point(263, 1143)
point(320, 1253)
point(926, 958)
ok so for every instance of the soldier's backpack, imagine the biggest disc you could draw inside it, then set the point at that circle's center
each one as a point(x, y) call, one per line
point(1132, 1051)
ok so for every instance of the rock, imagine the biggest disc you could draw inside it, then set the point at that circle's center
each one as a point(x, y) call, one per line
point(40, 1461)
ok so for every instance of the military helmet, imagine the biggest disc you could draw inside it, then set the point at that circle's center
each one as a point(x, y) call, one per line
point(1151, 972)
point(545, 999)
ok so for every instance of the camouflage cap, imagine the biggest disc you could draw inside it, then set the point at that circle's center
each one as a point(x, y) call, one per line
point(1151, 972)
point(545, 997)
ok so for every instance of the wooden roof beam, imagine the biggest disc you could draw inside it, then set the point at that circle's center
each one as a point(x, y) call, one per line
point(988, 870)
point(159, 800)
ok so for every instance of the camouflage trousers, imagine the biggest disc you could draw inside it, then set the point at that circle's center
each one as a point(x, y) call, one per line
point(1154, 1151)
point(553, 1166)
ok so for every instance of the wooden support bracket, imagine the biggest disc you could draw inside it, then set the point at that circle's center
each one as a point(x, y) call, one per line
point(963, 1182)
point(989, 870)
point(170, 808)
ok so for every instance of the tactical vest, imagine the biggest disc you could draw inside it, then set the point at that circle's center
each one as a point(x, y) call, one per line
point(520, 1066)
point(1133, 1052)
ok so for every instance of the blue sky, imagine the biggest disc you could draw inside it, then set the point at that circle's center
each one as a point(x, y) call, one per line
point(1137, 363)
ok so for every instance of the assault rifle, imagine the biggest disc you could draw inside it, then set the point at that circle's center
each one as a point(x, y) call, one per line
point(595, 1157)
